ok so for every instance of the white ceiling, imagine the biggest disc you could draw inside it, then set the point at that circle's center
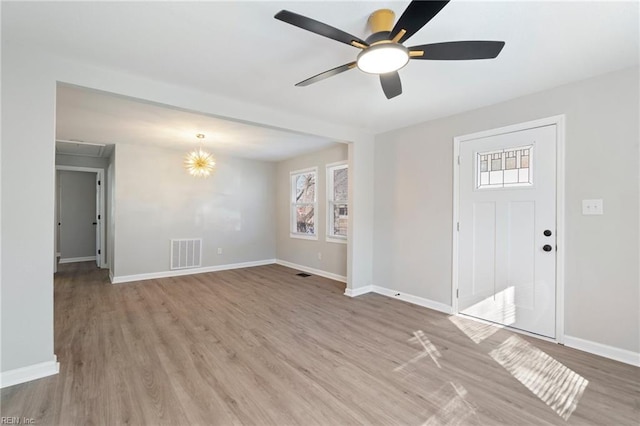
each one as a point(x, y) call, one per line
point(238, 49)
point(98, 117)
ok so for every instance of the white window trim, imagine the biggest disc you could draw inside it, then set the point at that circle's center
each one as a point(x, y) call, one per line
point(504, 186)
point(292, 215)
point(329, 172)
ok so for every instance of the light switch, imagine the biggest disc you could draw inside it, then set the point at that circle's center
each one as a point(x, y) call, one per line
point(591, 207)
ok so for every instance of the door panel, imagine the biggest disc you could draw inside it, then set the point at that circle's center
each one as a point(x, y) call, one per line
point(520, 251)
point(483, 279)
point(507, 200)
point(77, 215)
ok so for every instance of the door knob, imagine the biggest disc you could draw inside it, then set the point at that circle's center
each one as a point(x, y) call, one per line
point(547, 233)
point(547, 247)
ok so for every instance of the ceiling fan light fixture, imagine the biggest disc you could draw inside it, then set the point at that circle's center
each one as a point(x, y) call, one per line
point(383, 58)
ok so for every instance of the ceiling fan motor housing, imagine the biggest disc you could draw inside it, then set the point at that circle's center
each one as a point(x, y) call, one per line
point(378, 37)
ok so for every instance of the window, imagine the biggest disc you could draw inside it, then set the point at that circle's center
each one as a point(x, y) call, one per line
point(337, 202)
point(504, 168)
point(304, 203)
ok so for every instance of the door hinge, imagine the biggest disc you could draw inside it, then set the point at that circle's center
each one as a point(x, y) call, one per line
point(98, 217)
point(458, 160)
point(98, 182)
point(99, 252)
point(458, 226)
point(457, 293)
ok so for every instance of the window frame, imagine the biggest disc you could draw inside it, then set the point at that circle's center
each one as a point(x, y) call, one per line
point(478, 186)
point(330, 168)
point(293, 205)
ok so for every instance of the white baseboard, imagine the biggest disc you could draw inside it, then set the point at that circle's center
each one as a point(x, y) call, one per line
point(355, 292)
point(416, 300)
point(180, 272)
point(31, 372)
point(611, 352)
point(77, 259)
point(313, 271)
point(420, 301)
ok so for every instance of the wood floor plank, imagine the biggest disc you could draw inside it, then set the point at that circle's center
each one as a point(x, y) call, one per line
point(262, 346)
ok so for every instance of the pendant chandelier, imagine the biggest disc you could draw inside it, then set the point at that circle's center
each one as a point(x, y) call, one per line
point(199, 162)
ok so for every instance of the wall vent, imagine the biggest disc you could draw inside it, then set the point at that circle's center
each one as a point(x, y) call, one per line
point(186, 253)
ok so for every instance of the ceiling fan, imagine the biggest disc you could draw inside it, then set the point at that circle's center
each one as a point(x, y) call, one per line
point(383, 53)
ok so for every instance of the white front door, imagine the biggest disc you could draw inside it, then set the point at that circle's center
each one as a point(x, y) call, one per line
point(507, 229)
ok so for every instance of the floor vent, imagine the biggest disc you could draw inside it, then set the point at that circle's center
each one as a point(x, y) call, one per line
point(302, 274)
point(186, 253)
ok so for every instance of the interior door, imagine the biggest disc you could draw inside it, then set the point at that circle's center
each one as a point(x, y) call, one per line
point(77, 216)
point(507, 262)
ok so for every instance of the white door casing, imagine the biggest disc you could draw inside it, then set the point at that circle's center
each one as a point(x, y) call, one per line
point(100, 209)
point(503, 274)
point(98, 221)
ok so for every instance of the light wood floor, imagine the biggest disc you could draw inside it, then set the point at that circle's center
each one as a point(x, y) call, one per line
point(263, 346)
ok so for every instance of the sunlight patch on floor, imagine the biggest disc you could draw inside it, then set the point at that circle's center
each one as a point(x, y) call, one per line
point(556, 385)
point(454, 408)
point(475, 330)
point(428, 350)
point(499, 307)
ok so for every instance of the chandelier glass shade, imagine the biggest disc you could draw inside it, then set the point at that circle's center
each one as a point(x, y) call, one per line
point(199, 162)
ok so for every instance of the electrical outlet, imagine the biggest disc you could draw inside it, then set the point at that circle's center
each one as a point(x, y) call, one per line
point(319, 255)
point(219, 250)
point(592, 207)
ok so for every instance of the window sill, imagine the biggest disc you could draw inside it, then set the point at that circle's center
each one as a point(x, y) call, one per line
point(336, 240)
point(303, 236)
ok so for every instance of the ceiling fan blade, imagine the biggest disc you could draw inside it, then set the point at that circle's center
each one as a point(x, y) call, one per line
point(317, 27)
point(415, 16)
point(327, 74)
point(458, 50)
point(391, 84)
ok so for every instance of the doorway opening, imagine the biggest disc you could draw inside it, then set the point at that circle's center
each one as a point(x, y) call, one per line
point(80, 215)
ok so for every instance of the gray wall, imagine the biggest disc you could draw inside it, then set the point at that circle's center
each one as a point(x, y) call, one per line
point(27, 212)
point(157, 200)
point(77, 211)
point(413, 202)
point(305, 252)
